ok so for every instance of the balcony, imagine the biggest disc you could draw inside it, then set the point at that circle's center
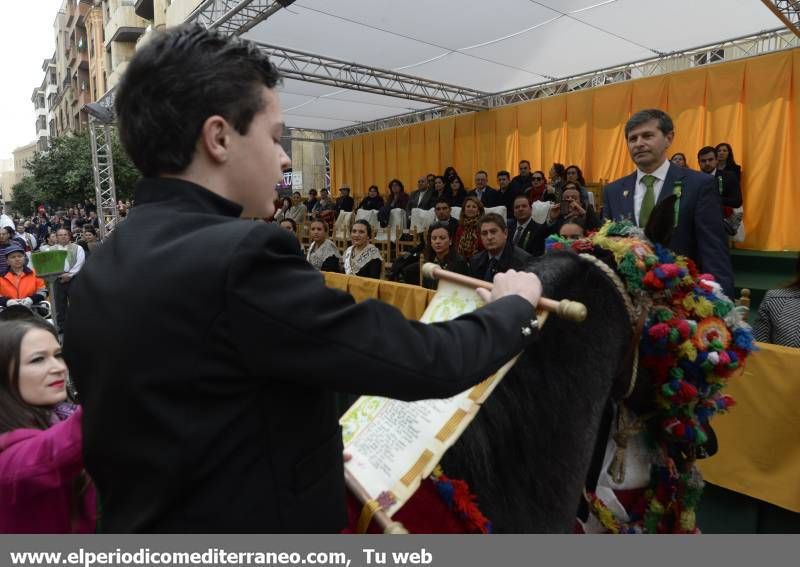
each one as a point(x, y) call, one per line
point(144, 9)
point(127, 34)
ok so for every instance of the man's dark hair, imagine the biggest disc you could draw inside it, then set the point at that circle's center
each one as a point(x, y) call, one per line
point(644, 116)
point(493, 218)
point(179, 79)
point(291, 221)
point(524, 161)
point(481, 171)
point(312, 191)
point(441, 201)
point(521, 196)
point(706, 150)
point(504, 172)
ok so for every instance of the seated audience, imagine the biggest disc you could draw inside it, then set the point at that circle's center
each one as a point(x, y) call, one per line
point(311, 201)
point(289, 225)
point(325, 208)
point(522, 228)
point(440, 251)
point(322, 253)
point(373, 201)
point(779, 315)
point(441, 190)
point(19, 284)
point(362, 258)
point(726, 161)
point(499, 254)
point(521, 182)
point(345, 202)
point(293, 208)
point(572, 229)
point(422, 197)
point(449, 174)
point(42, 480)
point(442, 213)
point(679, 159)
point(507, 192)
point(575, 175)
point(457, 192)
point(538, 186)
point(468, 235)
point(570, 208)
point(397, 199)
point(485, 194)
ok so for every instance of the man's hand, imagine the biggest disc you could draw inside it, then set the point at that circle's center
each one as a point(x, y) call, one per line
point(555, 212)
point(26, 301)
point(524, 284)
point(575, 210)
point(64, 278)
point(11, 302)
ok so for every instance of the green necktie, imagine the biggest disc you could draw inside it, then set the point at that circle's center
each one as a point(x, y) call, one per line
point(649, 200)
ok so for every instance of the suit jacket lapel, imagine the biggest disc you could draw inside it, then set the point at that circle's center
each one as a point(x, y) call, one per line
point(628, 193)
point(674, 173)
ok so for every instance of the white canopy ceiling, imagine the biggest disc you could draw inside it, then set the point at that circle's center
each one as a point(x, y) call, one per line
point(488, 46)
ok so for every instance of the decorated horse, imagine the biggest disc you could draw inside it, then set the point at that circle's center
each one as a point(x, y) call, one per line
point(598, 425)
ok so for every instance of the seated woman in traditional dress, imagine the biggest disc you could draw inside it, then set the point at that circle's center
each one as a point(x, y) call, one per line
point(322, 253)
point(440, 251)
point(362, 258)
point(43, 485)
point(468, 237)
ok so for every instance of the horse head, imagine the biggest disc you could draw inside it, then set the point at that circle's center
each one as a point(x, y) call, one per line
point(527, 453)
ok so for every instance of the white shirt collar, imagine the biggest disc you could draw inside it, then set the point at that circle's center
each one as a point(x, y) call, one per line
point(660, 173)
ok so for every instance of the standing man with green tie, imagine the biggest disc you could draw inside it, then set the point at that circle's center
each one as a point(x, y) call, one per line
point(700, 233)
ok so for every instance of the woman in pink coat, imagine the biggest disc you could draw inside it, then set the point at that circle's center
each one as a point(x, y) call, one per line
point(43, 485)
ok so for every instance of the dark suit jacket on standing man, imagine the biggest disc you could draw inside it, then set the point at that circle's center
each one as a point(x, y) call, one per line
point(211, 405)
point(700, 234)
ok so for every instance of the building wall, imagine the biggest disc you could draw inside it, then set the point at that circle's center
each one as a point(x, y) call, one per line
point(97, 51)
point(60, 107)
point(22, 156)
point(178, 10)
point(119, 51)
point(7, 179)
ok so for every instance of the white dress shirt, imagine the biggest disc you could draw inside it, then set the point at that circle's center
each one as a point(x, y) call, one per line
point(660, 174)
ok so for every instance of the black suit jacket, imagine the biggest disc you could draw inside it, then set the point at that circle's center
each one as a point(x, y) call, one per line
point(490, 198)
point(512, 258)
point(209, 399)
point(420, 200)
point(345, 204)
point(526, 239)
point(700, 233)
point(730, 190)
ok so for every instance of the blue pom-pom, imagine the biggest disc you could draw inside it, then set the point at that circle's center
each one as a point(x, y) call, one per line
point(446, 491)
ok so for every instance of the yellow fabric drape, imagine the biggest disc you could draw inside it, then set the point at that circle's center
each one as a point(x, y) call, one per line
point(758, 450)
point(411, 300)
point(753, 104)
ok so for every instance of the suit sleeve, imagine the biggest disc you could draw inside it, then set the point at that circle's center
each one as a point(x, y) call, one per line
point(607, 214)
point(290, 326)
point(712, 241)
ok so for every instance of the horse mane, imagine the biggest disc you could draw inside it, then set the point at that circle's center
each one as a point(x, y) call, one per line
point(527, 453)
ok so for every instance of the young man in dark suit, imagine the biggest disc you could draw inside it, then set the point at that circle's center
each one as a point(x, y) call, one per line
point(209, 401)
point(730, 191)
point(699, 234)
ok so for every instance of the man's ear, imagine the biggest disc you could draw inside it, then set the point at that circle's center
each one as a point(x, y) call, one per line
point(215, 139)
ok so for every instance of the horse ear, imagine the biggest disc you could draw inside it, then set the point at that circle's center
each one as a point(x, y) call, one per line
point(661, 222)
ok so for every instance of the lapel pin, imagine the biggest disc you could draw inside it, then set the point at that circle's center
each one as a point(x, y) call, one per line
point(625, 193)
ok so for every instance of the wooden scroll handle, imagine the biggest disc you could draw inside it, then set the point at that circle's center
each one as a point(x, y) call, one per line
point(566, 309)
point(371, 510)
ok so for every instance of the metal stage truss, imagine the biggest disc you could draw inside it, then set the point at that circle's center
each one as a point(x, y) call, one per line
point(103, 169)
point(748, 46)
point(235, 17)
point(788, 11)
point(323, 70)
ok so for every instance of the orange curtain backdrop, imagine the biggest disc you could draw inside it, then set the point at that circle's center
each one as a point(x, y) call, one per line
point(753, 104)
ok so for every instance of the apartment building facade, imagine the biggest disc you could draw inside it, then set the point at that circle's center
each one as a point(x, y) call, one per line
point(72, 67)
point(43, 98)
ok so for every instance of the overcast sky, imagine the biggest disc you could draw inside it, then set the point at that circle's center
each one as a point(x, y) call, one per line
point(26, 40)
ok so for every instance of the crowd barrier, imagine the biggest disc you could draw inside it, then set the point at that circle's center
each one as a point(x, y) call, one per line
point(758, 452)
